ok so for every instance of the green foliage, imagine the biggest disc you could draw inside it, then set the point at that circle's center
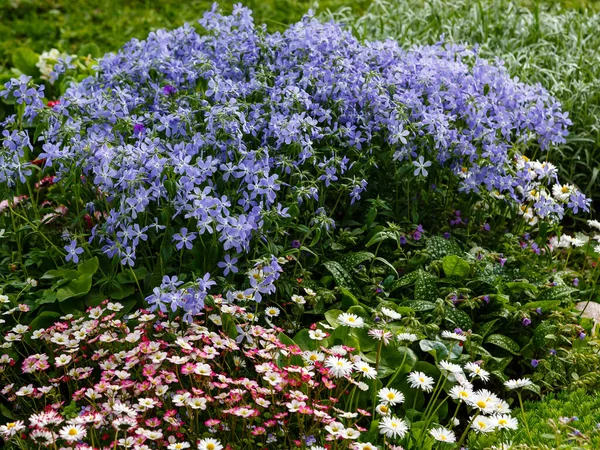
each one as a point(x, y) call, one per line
point(567, 420)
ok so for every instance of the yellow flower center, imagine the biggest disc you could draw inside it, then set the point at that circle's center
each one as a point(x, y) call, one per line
point(72, 431)
point(503, 421)
point(11, 425)
point(481, 404)
point(211, 446)
point(391, 396)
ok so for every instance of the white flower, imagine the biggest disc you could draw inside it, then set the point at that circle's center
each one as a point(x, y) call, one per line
point(72, 433)
point(335, 428)
point(312, 357)
point(421, 381)
point(390, 396)
point(339, 367)
point(4, 299)
point(62, 360)
point(381, 335)
point(317, 335)
point(563, 192)
point(421, 165)
point(114, 306)
point(392, 426)
point(461, 393)
point(594, 224)
point(298, 299)
point(450, 367)
point(476, 371)
point(383, 409)
point(363, 446)
point(365, 369)
point(505, 421)
point(391, 313)
point(482, 424)
point(350, 433)
point(482, 403)
point(351, 320)
point(409, 337)
point(271, 311)
point(178, 446)
point(516, 384)
point(443, 435)
point(452, 335)
point(209, 444)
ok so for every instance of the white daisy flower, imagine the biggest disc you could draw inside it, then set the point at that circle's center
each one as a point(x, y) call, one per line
point(390, 396)
point(421, 381)
point(351, 320)
point(505, 421)
point(516, 384)
point(392, 426)
point(391, 313)
point(454, 336)
point(443, 435)
point(339, 367)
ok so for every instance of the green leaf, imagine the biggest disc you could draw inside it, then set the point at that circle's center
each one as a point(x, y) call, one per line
point(44, 320)
point(406, 280)
point(340, 275)
point(556, 293)
point(436, 349)
point(379, 237)
point(455, 266)
point(542, 330)
point(437, 247)
point(418, 305)
point(425, 286)
point(25, 60)
point(7, 413)
point(88, 267)
point(228, 325)
point(459, 318)
point(504, 342)
point(351, 260)
point(331, 317)
point(75, 288)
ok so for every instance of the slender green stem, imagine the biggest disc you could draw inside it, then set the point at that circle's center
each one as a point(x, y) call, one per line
point(524, 417)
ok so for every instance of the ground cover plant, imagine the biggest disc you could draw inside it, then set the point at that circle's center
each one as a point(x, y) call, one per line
point(356, 236)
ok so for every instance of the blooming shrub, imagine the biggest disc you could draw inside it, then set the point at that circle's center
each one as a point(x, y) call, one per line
point(216, 135)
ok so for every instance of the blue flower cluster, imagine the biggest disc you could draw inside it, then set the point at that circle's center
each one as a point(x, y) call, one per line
point(222, 128)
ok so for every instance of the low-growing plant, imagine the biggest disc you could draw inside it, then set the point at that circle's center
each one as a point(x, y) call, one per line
point(566, 420)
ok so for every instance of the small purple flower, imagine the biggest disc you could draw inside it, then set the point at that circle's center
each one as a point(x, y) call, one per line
point(296, 243)
point(534, 363)
point(582, 335)
point(417, 235)
point(228, 265)
point(458, 331)
point(487, 227)
point(539, 311)
point(486, 298)
point(310, 440)
point(402, 240)
point(552, 352)
point(576, 282)
point(169, 90)
point(502, 262)
point(526, 321)
point(138, 128)
point(536, 249)
point(446, 235)
point(73, 251)
point(184, 238)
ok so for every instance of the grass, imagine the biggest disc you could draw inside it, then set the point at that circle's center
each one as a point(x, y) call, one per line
point(539, 43)
point(69, 24)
